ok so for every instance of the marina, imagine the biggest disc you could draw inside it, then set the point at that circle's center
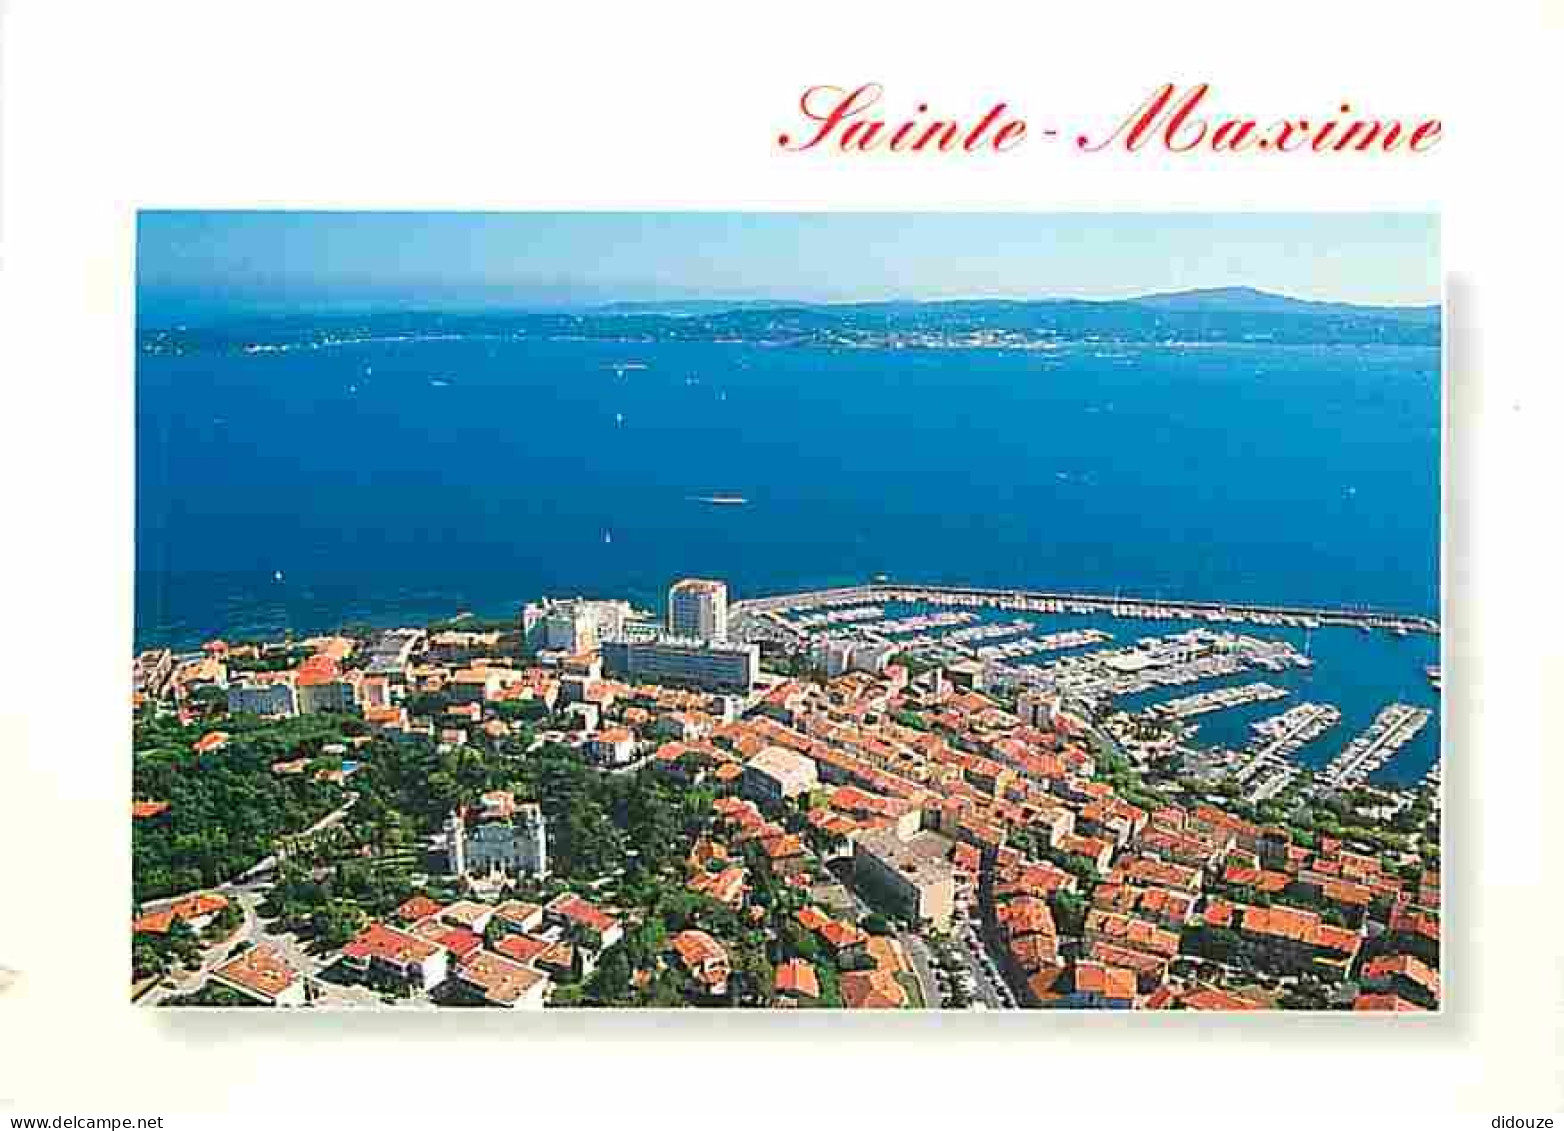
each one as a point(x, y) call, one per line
point(1333, 656)
point(1204, 702)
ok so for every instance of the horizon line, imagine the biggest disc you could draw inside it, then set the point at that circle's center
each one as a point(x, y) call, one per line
point(411, 297)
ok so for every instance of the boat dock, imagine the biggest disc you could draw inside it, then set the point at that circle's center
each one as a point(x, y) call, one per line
point(1053, 642)
point(1271, 767)
point(1219, 699)
point(856, 615)
point(1294, 728)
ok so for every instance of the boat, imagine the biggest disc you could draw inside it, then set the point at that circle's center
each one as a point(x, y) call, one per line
point(722, 500)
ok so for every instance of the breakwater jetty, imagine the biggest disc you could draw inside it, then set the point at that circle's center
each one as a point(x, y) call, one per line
point(775, 609)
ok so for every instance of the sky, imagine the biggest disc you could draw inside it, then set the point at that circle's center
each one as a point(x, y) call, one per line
point(188, 261)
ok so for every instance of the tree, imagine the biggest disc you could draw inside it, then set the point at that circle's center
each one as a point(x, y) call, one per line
point(147, 959)
point(336, 924)
point(610, 981)
point(876, 924)
point(1070, 909)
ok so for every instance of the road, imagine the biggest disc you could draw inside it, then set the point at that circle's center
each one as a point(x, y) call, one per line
point(917, 951)
point(253, 931)
point(981, 937)
point(330, 819)
point(247, 892)
point(922, 960)
point(967, 946)
point(188, 981)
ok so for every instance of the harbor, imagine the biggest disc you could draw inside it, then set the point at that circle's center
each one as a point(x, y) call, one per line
point(1125, 653)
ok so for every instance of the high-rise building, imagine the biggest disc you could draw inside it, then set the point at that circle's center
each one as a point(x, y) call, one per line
point(698, 608)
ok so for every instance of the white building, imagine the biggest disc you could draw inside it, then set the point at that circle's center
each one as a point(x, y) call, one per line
point(698, 608)
point(391, 953)
point(499, 836)
point(913, 874)
point(614, 746)
point(575, 625)
point(838, 657)
point(777, 774)
point(684, 662)
point(317, 694)
point(496, 980)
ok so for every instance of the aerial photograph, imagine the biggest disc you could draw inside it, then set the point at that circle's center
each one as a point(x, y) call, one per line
point(860, 611)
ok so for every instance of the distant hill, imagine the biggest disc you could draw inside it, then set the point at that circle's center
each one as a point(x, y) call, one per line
point(1248, 300)
point(681, 308)
point(1214, 315)
point(1232, 300)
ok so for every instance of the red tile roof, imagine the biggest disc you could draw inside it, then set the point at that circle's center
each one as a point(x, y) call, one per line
point(191, 907)
point(1208, 998)
point(262, 970)
point(522, 948)
point(1113, 982)
point(1407, 966)
point(872, 989)
point(1388, 1003)
point(500, 980)
point(577, 910)
point(389, 945)
point(416, 908)
point(797, 977)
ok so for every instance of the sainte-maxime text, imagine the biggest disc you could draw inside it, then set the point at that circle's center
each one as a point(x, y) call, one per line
point(1171, 119)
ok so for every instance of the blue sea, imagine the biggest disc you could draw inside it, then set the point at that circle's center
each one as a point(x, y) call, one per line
point(403, 481)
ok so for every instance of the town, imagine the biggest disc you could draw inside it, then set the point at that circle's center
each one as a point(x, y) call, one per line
point(796, 802)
